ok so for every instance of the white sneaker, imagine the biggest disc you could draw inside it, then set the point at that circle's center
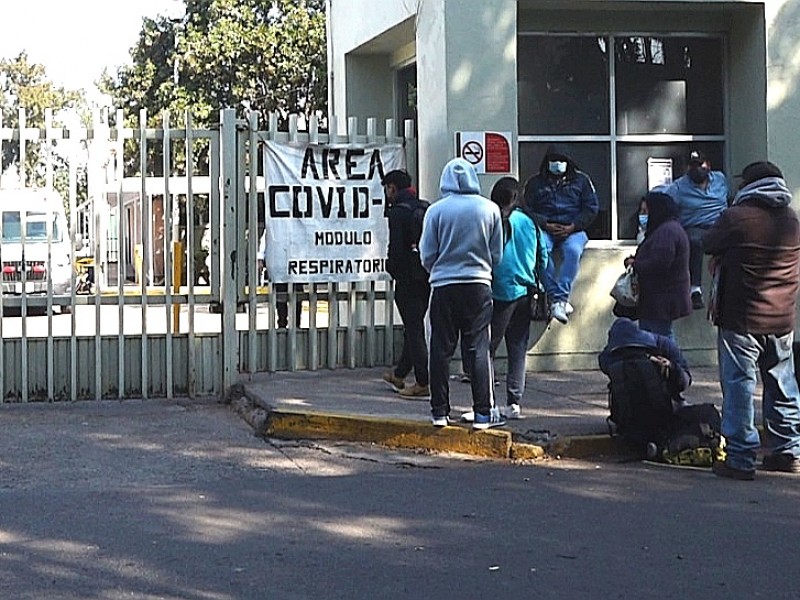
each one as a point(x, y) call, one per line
point(513, 411)
point(559, 312)
point(468, 417)
point(440, 421)
point(568, 308)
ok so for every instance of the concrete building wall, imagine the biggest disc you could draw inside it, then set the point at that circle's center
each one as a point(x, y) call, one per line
point(352, 28)
point(459, 43)
point(783, 88)
point(369, 85)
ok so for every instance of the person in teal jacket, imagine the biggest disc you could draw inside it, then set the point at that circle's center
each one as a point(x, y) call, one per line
point(514, 278)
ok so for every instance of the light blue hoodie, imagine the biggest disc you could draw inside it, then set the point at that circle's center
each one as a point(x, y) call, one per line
point(462, 236)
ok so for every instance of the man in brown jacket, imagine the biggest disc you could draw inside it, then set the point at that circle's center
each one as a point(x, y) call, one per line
point(755, 246)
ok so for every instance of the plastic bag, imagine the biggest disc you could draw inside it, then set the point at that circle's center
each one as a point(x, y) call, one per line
point(626, 289)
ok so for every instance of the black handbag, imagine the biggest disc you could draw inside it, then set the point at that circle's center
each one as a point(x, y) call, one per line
point(537, 304)
point(537, 298)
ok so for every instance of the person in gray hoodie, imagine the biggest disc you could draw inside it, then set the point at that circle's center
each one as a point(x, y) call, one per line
point(462, 241)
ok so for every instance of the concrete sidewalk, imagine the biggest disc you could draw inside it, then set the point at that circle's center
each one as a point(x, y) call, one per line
point(564, 413)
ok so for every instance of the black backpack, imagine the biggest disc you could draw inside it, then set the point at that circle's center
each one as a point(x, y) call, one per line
point(694, 426)
point(417, 218)
point(639, 400)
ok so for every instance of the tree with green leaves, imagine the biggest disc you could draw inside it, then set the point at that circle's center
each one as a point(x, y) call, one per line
point(24, 85)
point(268, 56)
point(252, 55)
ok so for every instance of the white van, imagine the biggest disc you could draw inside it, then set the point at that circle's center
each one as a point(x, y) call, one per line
point(23, 256)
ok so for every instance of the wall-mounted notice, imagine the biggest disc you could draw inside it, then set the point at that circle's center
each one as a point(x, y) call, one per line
point(488, 151)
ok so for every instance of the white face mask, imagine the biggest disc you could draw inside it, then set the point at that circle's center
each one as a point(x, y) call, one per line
point(557, 167)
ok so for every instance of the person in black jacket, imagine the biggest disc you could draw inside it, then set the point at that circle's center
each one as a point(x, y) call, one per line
point(412, 290)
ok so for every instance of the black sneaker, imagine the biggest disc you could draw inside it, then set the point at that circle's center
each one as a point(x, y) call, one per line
point(697, 300)
point(785, 463)
point(723, 469)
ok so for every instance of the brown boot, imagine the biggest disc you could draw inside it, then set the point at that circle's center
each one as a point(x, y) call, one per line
point(394, 382)
point(416, 392)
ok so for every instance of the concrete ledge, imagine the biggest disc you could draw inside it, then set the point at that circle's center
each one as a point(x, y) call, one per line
point(391, 433)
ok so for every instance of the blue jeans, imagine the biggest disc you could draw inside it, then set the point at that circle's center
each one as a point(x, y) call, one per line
point(558, 285)
point(659, 326)
point(741, 358)
point(695, 235)
point(466, 310)
point(512, 320)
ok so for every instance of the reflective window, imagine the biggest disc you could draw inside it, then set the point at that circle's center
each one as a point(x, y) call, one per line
point(668, 85)
point(563, 85)
point(12, 227)
point(406, 97)
point(35, 227)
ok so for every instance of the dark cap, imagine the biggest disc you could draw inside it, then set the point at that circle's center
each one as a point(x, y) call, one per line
point(759, 170)
point(696, 157)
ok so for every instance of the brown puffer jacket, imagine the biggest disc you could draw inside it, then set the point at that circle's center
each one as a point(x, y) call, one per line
point(759, 248)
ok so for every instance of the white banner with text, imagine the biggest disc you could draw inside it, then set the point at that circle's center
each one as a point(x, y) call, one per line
point(325, 211)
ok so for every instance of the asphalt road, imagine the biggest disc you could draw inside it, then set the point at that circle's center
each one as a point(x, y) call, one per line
point(176, 500)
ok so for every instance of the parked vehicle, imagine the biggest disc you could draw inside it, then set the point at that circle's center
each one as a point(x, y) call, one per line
point(31, 217)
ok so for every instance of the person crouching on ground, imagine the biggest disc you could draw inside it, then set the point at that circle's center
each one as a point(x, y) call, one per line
point(626, 334)
point(462, 242)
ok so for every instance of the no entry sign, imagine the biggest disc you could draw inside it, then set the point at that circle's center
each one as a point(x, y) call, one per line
point(488, 151)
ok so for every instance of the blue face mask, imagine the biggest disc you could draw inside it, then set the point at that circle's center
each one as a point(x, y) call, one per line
point(643, 221)
point(557, 167)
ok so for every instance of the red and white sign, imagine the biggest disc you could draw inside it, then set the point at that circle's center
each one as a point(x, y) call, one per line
point(488, 151)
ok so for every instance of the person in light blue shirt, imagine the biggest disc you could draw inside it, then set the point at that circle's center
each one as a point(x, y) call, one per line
point(701, 195)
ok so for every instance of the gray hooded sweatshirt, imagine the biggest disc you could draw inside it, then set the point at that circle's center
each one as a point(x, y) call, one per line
point(462, 235)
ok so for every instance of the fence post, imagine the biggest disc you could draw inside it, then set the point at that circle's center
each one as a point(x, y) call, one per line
point(227, 267)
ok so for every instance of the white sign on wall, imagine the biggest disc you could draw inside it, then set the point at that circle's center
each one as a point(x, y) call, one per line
point(325, 211)
point(659, 172)
point(488, 151)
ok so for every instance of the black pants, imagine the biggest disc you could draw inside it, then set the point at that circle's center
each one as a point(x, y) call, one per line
point(464, 309)
point(283, 307)
point(411, 297)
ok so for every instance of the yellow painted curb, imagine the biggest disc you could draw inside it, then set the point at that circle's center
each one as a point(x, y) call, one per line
point(520, 451)
point(388, 432)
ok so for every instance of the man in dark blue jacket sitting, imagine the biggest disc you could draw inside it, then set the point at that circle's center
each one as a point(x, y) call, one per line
point(563, 202)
